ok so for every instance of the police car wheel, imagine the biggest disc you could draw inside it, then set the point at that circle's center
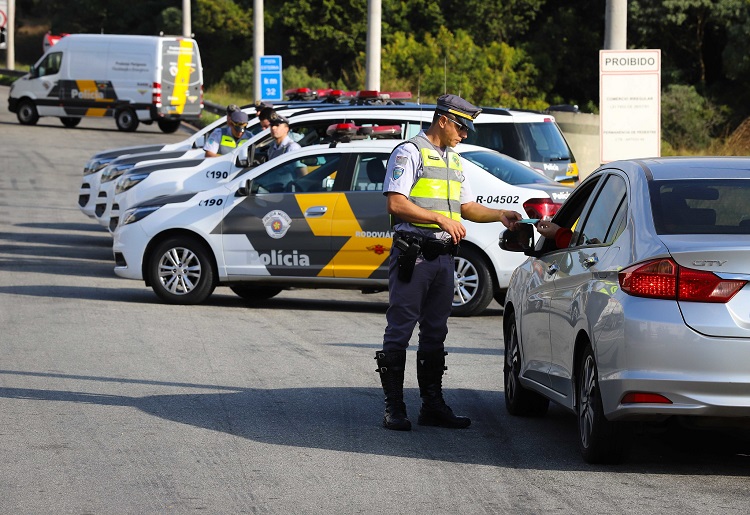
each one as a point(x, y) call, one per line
point(255, 293)
point(69, 121)
point(472, 283)
point(27, 113)
point(168, 126)
point(126, 120)
point(181, 271)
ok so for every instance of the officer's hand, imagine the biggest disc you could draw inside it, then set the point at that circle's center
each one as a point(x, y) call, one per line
point(454, 228)
point(510, 218)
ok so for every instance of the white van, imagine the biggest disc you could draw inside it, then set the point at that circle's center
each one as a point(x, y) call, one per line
point(132, 78)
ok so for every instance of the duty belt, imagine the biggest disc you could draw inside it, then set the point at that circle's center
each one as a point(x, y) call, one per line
point(430, 248)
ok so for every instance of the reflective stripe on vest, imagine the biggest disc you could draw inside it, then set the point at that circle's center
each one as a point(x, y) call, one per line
point(439, 187)
point(228, 143)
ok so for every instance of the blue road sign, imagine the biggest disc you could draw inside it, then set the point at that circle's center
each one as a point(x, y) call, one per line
point(270, 78)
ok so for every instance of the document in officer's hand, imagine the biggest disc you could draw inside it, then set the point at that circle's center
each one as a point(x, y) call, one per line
point(531, 221)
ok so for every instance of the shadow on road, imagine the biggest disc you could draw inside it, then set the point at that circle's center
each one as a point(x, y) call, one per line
point(348, 420)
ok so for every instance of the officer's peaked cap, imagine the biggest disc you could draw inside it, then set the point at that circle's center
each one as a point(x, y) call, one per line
point(460, 108)
point(238, 117)
point(277, 119)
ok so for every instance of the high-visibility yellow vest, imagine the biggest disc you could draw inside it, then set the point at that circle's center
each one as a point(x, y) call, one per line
point(439, 187)
point(228, 143)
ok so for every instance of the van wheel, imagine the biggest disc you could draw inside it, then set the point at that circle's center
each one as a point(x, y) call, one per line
point(472, 284)
point(168, 126)
point(126, 120)
point(180, 270)
point(69, 121)
point(27, 113)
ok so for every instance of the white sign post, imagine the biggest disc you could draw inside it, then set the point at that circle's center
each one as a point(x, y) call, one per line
point(629, 104)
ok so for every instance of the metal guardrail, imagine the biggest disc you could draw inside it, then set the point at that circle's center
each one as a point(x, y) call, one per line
point(214, 108)
point(12, 73)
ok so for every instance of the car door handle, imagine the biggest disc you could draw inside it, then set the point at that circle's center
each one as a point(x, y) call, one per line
point(590, 261)
point(552, 269)
point(316, 211)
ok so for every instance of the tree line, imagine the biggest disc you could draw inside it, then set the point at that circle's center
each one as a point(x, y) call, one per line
point(514, 53)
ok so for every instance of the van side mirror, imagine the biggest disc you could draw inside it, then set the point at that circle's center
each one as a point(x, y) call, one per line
point(33, 72)
point(520, 240)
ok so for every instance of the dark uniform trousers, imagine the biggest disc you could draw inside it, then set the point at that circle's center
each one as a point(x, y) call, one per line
point(427, 299)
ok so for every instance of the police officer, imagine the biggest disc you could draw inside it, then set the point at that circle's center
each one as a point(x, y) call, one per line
point(427, 198)
point(224, 140)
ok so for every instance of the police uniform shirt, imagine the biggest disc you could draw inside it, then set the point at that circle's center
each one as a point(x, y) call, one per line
point(403, 169)
point(213, 143)
point(286, 145)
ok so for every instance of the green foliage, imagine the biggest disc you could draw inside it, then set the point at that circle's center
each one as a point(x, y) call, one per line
point(491, 21)
point(492, 76)
point(689, 121)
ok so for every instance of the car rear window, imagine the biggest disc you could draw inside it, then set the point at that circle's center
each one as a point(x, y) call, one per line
point(705, 206)
point(507, 169)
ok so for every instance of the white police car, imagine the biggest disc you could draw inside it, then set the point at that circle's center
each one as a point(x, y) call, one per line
point(271, 227)
point(532, 138)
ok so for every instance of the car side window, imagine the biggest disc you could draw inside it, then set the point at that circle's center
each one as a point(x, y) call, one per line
point(311, 174)
point(606, 216)
point(369, 172)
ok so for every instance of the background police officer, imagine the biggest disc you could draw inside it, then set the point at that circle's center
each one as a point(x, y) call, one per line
point(427, 199)
point(224, 140)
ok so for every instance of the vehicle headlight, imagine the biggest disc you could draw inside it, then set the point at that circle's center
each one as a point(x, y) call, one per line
point(96, 164)
point(136, 214)
point(127, 181)
point(112, 172)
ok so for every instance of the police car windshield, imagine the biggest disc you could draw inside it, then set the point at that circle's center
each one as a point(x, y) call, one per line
point(506, 169)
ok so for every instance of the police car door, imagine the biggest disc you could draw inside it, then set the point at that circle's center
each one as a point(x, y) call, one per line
point(362, 236)
point(283, 227)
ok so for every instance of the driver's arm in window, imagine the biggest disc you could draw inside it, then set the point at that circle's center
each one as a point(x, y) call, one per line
point(550, 230)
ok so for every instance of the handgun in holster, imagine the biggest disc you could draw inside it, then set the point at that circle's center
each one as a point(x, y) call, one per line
point(407, 258)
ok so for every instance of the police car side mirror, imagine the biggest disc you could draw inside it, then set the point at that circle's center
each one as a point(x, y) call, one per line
point(246, 188)
point(199, 141)
point(520, 240)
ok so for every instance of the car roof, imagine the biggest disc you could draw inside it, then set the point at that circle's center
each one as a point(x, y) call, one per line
point(488, 113)
point(676, 167)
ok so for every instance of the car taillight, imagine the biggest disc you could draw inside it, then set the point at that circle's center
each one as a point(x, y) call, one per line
point(665, 279)
point(541, 207)
point(156, 94)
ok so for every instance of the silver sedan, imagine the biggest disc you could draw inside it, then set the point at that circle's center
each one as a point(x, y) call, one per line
point(640, 311)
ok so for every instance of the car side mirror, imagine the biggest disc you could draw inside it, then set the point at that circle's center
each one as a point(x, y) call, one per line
point(199, 141)
point(246, 189)
point(245, 156)
point(520, 240)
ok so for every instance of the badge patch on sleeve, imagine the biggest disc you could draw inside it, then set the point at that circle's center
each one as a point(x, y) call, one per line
point(398, 172)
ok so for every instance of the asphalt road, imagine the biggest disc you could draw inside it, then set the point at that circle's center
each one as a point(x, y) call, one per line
point(111, 402)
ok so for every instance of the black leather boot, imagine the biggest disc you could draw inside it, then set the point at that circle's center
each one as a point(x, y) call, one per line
point(391, 366)
point(434, 411)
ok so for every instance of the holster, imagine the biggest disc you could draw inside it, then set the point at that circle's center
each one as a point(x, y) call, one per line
point(407, 258)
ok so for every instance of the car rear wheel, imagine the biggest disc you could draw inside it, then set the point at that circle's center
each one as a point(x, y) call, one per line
point(600, 440)
point(126, 120)
point(70, 121)
point(180, 271)
point(168, 126)
point(518, 400)
point(472, 283)
point(27, 113)
point(254, 293)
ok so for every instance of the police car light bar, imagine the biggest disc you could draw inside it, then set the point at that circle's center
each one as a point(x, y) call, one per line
point(344, 132)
